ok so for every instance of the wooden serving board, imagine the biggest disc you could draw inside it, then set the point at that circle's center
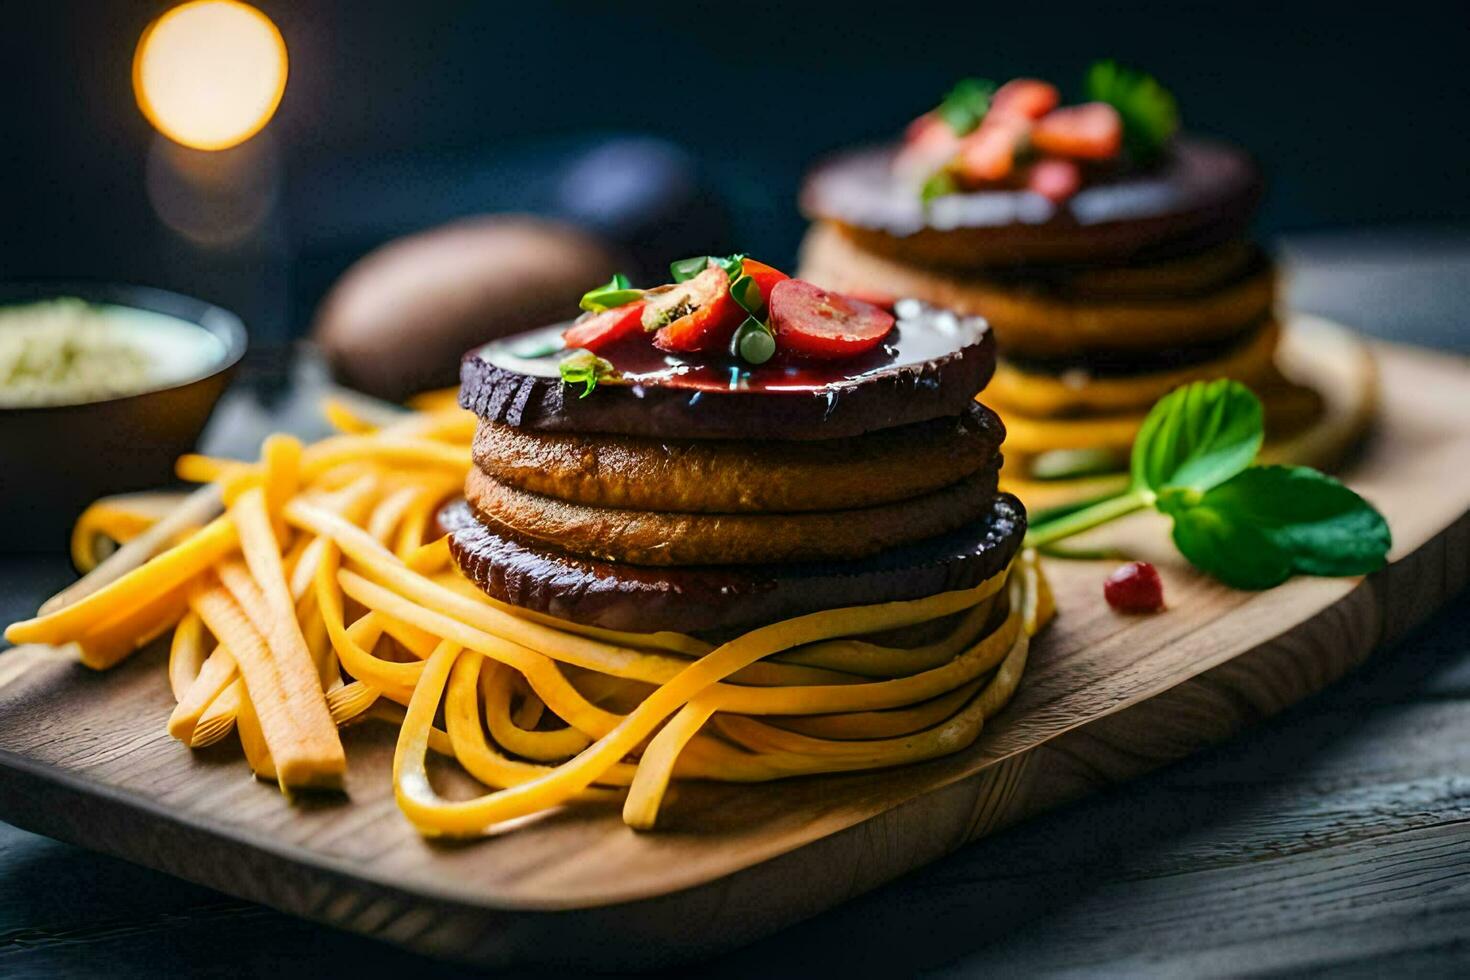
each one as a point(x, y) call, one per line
point(84, 757)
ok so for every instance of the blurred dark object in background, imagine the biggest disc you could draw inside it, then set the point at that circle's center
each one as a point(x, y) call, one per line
point(400, 117)
point(397, 322)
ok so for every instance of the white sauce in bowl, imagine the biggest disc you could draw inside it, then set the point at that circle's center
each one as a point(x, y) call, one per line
point(69, 352)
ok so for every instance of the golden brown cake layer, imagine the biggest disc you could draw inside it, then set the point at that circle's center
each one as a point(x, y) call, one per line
point(741, 476)
point(1076, 392)
point(1031, 320)
point(1289, 408)
point(645, 537)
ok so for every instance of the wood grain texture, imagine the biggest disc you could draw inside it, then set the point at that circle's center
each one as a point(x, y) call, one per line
point(84, 757)
point(1298, 846)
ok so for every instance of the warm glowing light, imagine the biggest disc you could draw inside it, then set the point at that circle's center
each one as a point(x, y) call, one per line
point(209, 74)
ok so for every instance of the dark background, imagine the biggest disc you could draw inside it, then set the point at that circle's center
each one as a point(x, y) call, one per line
point(398, 115)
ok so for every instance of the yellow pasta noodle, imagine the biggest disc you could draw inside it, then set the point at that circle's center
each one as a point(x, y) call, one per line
point(321, 599)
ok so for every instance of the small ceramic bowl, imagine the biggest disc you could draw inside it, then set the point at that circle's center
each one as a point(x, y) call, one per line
point(57, 459)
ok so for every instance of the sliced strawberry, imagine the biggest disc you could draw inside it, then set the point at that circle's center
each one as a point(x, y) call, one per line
point(1025, 98)
point(928, 128)
point(600, 329)
point(929, 142)
point(1054, 178)
point(988, 154)
point(811, 322)
point(1091, 131)
point(697, 315)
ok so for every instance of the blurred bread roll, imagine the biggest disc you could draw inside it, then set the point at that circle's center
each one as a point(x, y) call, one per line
point(399, 319)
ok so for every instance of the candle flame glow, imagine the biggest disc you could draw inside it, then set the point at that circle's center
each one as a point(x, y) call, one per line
point(210, 73)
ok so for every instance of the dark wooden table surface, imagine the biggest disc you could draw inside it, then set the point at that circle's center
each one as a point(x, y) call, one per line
point(1335, 837)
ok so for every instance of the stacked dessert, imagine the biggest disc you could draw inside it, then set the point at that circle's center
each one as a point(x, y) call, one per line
point(1111, 257)
point(751, 516)
point(729, 451)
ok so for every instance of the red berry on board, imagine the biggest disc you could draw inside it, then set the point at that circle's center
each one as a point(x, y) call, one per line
point(1135, 588)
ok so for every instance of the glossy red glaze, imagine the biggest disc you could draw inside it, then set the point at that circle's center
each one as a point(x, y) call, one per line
point(637, 362)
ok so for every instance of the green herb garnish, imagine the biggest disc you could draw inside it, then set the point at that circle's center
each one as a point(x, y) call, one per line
point(734, 265)
point(743, 288)
point(582, 367)
point(753, 342)
point(747, 292)
point(938, 185)
point(1251, 527)
point(685, 269)
point(618, 292)
point(1150, 115)
point(965, 106)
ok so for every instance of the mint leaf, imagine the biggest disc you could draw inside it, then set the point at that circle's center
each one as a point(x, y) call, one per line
point(685, 269)
point(618, 292)
point(582, 367)
point(747, 292)
point(1197, 437)
point(1319, 526)
point(1249, 527)
point(1237, 554)
point(965, 106)
point(1148, 110)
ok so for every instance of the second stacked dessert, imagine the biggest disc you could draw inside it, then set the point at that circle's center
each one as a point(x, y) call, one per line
point(1111, 258)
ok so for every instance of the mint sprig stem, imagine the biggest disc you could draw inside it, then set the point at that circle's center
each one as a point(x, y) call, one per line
point(1098, 514)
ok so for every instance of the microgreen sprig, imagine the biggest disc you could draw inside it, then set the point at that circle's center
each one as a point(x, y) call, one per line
point(618, 292)
point(685, 269)
point(966, 105)
point(1251, 527)
point(582, 367)
point(937, 186)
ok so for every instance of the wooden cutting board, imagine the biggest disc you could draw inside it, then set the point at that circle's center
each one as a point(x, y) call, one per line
point(84, 757)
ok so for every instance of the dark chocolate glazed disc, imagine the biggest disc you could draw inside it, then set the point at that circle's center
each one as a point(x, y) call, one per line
point(715, 598)
point(930, 366)
point(1202, 193)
